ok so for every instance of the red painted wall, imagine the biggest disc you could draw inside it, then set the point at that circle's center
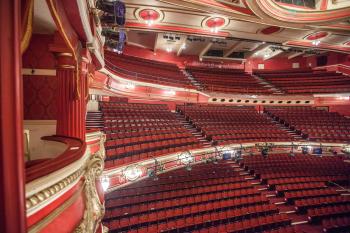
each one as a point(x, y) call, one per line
point(181, 61)
point(333, 59)
point(280, 63)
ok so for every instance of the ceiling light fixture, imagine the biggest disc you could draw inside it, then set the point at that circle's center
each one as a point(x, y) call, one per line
point(316, 42)
point(150, 22)
point(214, 29)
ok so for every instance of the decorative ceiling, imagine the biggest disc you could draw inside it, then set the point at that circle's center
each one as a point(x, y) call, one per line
point(229, 28)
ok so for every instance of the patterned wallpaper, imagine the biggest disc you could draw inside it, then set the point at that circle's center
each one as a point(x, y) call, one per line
point(40, 97)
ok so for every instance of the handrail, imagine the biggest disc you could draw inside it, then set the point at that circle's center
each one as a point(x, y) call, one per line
point(169, 81)
point(75, 150)
point(347, 190)
point(111, 66)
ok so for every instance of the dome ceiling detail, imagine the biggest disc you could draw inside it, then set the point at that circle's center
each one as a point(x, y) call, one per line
point(317, 35)
point(229, 22)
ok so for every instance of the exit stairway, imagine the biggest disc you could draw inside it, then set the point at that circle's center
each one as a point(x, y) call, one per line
point(192, 129)
point(94, 120)
point(275, 90)
point(291, 132)
point(193, 81)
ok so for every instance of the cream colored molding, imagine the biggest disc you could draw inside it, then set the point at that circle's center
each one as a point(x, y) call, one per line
point(138, 83)
point(119, 171)
point(43, 198)
point(38, 72)
point(39, 122)
point(45, 190)
point(56, 212)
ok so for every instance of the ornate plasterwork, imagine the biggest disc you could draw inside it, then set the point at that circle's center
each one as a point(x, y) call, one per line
point(94, 209)
point(35, 201)
point(89, 167)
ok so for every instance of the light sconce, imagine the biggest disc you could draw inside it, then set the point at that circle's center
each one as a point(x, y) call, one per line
point(170, 92)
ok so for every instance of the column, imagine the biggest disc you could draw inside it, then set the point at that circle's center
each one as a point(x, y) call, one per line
point(71, 104)
point(12, 200)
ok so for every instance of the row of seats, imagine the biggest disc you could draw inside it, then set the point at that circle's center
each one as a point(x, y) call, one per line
point(209, 198)
point(303, 204)
point(145, 70)
point(312, 123)
point(188, 205)
point(218, 198)
point(307, 81)
point(317, 214)
point(303, 181)
point(228, 124)
point(142, 131)
point(277, 181)
point(227, 80)
point(336, 225)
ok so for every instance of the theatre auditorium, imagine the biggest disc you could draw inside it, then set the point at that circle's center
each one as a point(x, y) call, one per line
point(175, 116)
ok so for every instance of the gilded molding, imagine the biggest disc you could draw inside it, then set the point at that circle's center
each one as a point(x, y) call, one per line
point(68, 42)
point(29, 27)
point(64, 55)
point(90, 169)
point(94, 209)
point(41, 224)
point(66, 67)
point(51, 191)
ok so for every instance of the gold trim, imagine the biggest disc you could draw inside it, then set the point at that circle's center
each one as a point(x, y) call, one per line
point(64, 55)
point(45, 221)
point(90, 75)
point(84, 59)
point(45, 194)
point(63, 33)
point(66, 66)
point(29, 27)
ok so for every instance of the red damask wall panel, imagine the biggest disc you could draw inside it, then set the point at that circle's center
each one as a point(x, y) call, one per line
point(38, 56)
point(40, 97)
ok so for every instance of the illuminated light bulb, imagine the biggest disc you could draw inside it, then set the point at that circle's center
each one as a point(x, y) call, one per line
point(130, 86)
point(343, 98)
point(105, 182)
point(186, 158)
point(316, 42)
point(170, 92)
point(169, 50)
point(149, 22)
point(214, 29)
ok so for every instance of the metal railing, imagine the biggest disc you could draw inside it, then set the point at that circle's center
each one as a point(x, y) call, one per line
point(142, 76)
